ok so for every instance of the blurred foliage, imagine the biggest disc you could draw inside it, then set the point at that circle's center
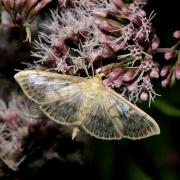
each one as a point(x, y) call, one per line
point(166, 108)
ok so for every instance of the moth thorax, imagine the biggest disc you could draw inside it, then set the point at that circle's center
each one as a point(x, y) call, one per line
point(96, 84)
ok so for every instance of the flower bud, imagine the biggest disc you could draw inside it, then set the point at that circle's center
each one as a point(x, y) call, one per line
point(60, 46)
point(101, 14)
point(142, 12)
point(11, 119)
point(132, 86)
point(134, 18)
point(65, 3)
point(36, 9)
point(176, 34)
point(107, 25)
point(144, 96)
point(106, 52)
point(170, 55)
point(30, 4)
point(118, 3)
point(105, 39)
point(177, 69)
point(129, 75)
point(19, 4)
point(165, 71)
point(165, 82)
point(107, 68)
point(141, 36)
point(154, 72)
point(118, 82)
point(118, 46)
point(115, 73)
point(155, 42)
point(8, 4)
point(106, 82)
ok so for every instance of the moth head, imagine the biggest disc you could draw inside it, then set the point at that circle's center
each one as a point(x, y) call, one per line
point(96, 81)
point(99, 76)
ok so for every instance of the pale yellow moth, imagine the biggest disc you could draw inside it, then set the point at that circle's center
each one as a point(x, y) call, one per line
point(86, 103)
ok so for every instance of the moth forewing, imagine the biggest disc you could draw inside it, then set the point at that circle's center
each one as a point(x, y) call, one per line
point(42, 87)
point(65, 110)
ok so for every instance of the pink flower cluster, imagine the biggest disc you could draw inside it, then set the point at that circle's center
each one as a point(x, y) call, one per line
point(20, 13)
point(15, 122)
point(114, 38)
point(24, 132)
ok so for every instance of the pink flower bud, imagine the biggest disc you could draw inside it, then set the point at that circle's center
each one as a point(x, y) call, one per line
point(36, 9)
point(106, 82)
point(106, 39)
point(144, 96)
point(134, 18)
point(61, 46)
point(101, 14)
point(118, 46)
point(177, 69)
point(51, 56)
point(170, 55)
point(118, 82)
point(106, 52)
point(64, 3)
point(128, 76)
point(115, 73)
point(154, 72)
point(107, 25)
point(30, 4)
point(107, 68)
point(132, 86)
point(11, 118)
point(165, 82)
point(176, 34)
point(155, 42)
point(8, 4)
point(19, 4)
point(165, 71)
point(141, 37)
point(142, 12)
point(118, 3)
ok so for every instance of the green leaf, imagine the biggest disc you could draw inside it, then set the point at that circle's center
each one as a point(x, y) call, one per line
point(166, 108)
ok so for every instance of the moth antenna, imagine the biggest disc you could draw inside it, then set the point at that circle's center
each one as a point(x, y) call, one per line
point(101, 60)
point(92, 68)
point(86, 71)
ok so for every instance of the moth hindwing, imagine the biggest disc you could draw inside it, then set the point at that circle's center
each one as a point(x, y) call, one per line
point(86, 103)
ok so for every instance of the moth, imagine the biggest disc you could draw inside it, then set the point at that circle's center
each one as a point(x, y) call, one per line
point(86, 103)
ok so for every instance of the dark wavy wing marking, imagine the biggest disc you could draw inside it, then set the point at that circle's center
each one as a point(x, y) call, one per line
point(98, 122)
point(136, 123)
point(65, 110)
point(42, 86)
